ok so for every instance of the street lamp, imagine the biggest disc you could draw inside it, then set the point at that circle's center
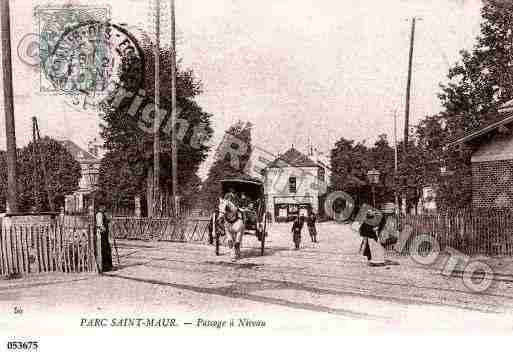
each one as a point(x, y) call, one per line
point(92, 175)
point(373, 176)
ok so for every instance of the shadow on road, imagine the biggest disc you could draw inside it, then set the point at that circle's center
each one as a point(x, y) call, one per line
point(240, 290)
point(234, 264)
point(256, 252)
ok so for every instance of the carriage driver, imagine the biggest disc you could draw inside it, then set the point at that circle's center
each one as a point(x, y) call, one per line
point(244, 200)
point(232, 196)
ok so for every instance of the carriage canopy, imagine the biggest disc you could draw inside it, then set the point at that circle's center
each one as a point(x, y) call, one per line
point(253, 188)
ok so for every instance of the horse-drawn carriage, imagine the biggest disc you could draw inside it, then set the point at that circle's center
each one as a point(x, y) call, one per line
point(241, 210)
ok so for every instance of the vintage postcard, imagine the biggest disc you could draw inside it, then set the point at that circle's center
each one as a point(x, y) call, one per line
point(182, 171)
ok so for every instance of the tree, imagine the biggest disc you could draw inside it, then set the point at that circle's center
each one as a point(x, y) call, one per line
point(351, 161)
point(381, 157)
point(348, 163)
point(62, 175)
point(225, 165)
point(482, 79)
point(476, 85)
point(341, 163)
point(410, 177)
point(128, 167)
point(453, 186)
point(120, 180)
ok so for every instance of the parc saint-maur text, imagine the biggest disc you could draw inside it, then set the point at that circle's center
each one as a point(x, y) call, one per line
point(168, 322)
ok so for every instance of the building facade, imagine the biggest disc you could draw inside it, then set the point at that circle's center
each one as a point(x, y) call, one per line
point(492, 172)
point(293, 185)
point(492, 162)
point(89, 162)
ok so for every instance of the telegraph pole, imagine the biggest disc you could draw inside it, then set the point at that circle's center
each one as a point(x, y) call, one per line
point(395, 160)
point(156, 122)
point(10, 131)
point(395, 141)
point(408, 88)
point(174, 148)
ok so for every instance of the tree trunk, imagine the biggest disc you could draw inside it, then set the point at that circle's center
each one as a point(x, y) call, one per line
point(166, 203)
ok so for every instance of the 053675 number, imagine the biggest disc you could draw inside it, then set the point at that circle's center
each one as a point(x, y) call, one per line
point(16, 345)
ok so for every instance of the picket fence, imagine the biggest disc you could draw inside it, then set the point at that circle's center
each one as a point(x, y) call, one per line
point(181, 229)
point(473, 233)
point(52, 247)
point(67, 244)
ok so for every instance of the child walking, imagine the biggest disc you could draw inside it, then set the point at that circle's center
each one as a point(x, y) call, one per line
point(297, 226)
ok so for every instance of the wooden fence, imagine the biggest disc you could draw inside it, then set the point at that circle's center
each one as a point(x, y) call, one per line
point(482, 233)
point(53, 247)
point(182, 229)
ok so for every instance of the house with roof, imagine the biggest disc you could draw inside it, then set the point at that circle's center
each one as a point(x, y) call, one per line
point(492, 160)
point(89, 169)
point(293, 185)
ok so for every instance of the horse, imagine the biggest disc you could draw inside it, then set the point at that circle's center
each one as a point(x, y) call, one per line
point(233, 225)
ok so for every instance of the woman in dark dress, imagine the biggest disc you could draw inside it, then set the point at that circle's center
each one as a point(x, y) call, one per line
point(370, 232)
point(102, 226)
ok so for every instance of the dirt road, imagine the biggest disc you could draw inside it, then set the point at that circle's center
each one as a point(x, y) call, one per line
point(324, 286)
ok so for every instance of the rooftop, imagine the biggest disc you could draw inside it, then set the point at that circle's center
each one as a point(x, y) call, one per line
point(77, 152)
point(293, 158)
point(494, 123)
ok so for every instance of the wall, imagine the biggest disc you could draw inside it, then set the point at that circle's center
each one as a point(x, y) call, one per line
point(492, 172)
point(492, 184)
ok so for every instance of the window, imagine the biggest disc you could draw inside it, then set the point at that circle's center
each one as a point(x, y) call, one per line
point(320, 174)
point(292, 184)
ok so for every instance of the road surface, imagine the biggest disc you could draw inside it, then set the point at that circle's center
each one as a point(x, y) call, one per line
point(323, 287)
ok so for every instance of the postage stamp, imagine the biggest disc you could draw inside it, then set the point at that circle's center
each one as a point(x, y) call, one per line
point(81, 53)
point(53, 22)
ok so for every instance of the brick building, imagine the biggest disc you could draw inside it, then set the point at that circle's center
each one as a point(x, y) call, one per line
point(492, 162)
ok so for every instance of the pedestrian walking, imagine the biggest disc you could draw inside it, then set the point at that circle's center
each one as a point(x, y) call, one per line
point(310, 222)
point(297, 226)
point(102, 230)
point(372, 249)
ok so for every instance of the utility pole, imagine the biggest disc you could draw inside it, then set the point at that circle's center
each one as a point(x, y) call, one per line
point(395, 141)
point(408, 88)
point(10, 130)
point(174, 147)
point(156, 122)
point(395, 160)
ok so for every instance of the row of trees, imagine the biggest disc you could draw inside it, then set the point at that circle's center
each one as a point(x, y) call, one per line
point(474, 89)
point(420, 166)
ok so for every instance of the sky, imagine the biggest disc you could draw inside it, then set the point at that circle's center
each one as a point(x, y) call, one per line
point(299, 70)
